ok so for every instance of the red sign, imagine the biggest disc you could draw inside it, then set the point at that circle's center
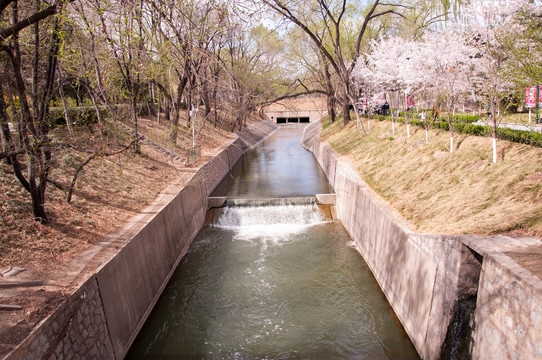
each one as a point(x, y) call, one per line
point(410, 101)
point(530, 97)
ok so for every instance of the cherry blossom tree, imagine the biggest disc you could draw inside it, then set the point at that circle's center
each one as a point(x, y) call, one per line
point(382, 67)
point(418, 78)
point(492, 26)
point(447, 63)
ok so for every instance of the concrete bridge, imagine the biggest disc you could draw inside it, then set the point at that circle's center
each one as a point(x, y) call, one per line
point(300, 110)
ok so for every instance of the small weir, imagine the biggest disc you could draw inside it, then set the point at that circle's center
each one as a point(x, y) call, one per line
point(304, 200)
point(272, 278)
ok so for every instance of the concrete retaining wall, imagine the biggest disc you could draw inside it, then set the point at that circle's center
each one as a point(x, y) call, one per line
point(424, 275)
point(101, 319)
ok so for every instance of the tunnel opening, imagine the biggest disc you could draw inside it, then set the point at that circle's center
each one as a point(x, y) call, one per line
point(458, 342)
point(293, 120)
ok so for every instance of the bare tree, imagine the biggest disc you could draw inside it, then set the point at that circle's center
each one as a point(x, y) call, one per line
point(332, 14)
point(32, 123)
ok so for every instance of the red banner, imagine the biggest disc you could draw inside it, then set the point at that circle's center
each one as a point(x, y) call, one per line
point(410, 101)
point(530, 97)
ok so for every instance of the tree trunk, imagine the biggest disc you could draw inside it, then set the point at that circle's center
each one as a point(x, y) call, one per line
point(451, 133)
point(167, 111)
point(331, 100)
point(38, 208)
point(215, 108)
point(407, 122)
point(346, 112)
point(331, 108)
point(69, 123)
point(159, 107)
point(177, 110)
point(37, 159)
point(137, 147)
point(206, 99)
point(495, 125)
point(5, 134)
point(392, 116)
point(94, 101)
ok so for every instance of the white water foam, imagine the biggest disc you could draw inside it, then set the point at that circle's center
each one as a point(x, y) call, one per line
point(275, 223)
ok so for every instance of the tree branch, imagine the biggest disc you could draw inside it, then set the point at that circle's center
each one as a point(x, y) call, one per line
point(387, 12)
point(56, 184)
point(7, 154)
point(4, 4)
point(291, 96)
point(89, 159)
point(51, 10)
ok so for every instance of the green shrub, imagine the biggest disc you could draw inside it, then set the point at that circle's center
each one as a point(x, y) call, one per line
point(80, 115)
point(465, 118)
point(520, 136)
point(417, 123)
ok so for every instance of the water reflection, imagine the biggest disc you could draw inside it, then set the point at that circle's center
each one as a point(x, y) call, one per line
point(278, 167)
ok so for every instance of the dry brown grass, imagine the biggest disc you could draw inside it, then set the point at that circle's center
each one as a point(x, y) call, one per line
point(109, 191)
point(439, 192)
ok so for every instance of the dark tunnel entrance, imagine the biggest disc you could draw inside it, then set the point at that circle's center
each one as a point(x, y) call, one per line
point(284, 120)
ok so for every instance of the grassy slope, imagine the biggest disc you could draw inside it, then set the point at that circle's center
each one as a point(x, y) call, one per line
point(109, 191)
point(439, 192)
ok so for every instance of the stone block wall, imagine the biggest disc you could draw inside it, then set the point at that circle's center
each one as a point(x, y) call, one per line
point(102, 318)
point(77, 329)
point(508, 312)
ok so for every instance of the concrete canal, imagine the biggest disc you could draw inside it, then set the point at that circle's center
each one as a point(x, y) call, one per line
point(273, 282)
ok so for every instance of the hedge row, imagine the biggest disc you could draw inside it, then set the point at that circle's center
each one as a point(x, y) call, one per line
point(455, 118)
point(519, 136)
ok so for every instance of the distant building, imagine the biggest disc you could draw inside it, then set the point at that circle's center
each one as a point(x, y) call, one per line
point(298, 110)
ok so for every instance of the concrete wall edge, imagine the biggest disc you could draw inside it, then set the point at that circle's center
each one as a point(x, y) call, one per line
point(257, 133)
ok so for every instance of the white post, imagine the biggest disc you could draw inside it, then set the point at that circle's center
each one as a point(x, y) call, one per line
point(529, 115)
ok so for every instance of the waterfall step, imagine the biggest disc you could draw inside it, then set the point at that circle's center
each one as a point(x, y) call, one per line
point(320, 199)
point(301, 200)
point(328, 212)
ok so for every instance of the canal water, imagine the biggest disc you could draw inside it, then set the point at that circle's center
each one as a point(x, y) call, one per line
point(279, 167)
point(273, 282)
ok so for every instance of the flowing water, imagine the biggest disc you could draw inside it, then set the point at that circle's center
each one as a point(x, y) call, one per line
point(279, 167)
point(272, 282)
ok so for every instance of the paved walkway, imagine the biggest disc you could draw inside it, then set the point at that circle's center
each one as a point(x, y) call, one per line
point(524, 127)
